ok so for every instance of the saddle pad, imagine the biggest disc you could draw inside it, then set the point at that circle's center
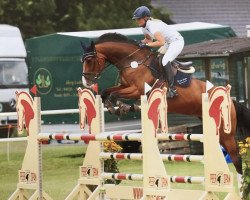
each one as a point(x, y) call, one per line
point(182, 79)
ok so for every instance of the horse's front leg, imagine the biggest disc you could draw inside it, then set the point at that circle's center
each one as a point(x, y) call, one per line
point(126, 93)
point(110, 100)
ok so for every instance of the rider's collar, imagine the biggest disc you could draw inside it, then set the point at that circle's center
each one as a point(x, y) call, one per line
point(146, 23)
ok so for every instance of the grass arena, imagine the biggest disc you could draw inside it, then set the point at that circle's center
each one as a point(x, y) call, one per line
point(154, 180)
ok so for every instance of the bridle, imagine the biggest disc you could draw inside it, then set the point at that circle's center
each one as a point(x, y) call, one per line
point(93, 77)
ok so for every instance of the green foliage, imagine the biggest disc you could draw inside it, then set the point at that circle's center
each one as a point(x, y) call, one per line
point(40, 17)
point(110, 165)
point(32, 17)
point(246, 183)
point(244, 147)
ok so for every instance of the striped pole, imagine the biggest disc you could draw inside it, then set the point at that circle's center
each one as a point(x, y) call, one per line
point(182, 158)
point(165, 157)
point(180, 137)
point(90, 137)
point(122, 176)
point(49, 112)
point(121, 156)
point(139, 177)
point(187, 179)
point(117, 137)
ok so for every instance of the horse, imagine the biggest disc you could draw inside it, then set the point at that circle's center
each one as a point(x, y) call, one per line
point(133, 65)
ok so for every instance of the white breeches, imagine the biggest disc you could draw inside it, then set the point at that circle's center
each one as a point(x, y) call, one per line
point(171, 51)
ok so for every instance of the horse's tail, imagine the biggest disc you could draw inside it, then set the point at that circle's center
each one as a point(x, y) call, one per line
point(243, 120)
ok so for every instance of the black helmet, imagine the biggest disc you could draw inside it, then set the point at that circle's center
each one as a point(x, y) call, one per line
point(141, 12)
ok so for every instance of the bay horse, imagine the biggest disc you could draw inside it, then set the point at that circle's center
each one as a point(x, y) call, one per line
point(133, 65)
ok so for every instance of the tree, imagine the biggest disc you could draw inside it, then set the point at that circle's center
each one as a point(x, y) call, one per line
point(32, 17)
point(39, 17)
point(111, 14)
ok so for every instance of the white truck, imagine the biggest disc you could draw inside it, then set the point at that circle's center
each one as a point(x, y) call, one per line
point(13, 69)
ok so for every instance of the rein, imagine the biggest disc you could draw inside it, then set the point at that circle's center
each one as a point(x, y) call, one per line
point(141, 62)
point(123, 59)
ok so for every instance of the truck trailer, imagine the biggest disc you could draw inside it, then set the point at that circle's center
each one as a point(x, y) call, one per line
point(13, 70)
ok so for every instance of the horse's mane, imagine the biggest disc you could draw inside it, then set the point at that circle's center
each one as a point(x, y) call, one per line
point(115, 37)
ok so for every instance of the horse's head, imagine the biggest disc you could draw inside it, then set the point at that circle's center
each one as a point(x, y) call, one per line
point(93, 64)
point(220, 107)
point(86, 103)
point(115, 48)
point(158, 109)
point(25, 112)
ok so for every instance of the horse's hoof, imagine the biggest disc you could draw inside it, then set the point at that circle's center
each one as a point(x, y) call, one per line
point(125, 108)
point(118, 112)
point(111, 110)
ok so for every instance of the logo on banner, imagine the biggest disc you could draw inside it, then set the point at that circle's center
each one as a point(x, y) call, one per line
point(43, 81)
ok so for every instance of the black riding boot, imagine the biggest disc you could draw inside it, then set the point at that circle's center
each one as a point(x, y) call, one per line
point(172, 92)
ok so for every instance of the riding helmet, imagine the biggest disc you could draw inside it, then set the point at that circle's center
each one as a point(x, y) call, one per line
point(141, 12)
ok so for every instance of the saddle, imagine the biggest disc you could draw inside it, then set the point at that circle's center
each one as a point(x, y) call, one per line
point(183, 71)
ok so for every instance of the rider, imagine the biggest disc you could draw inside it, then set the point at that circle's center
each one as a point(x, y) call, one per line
point(159, 34)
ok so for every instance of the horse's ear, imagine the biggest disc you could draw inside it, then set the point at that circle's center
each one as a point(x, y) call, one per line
point(83, 46)
point(92, 45)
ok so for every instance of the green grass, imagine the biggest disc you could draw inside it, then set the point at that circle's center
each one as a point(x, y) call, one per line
point(61, 169)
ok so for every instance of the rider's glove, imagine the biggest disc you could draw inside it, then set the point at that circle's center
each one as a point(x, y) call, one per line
point(143, 45)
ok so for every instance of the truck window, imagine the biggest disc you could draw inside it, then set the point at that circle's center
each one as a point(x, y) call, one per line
point(13, 73)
